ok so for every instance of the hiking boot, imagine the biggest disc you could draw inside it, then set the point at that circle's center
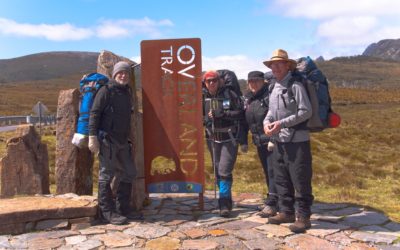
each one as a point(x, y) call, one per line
point(261, 207)
point(106, 206)
point(123, 199)
point(268, 211)
point(282, 218)
point(134, 215)
point(113, 218)
point(224, 212)
point(301, 225)
point(225, 207)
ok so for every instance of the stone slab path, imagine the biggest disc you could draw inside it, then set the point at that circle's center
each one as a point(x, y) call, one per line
point(174, 221)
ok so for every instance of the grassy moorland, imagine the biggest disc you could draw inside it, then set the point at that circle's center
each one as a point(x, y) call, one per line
point(19, 98)
point(357, 163)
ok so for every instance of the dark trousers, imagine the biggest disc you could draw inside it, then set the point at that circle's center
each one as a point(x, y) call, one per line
point(264, 155)
point(293, 173)
point(115, 159)
point(225, 158)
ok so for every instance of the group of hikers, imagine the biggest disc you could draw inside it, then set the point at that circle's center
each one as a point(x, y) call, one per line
point(274, 114)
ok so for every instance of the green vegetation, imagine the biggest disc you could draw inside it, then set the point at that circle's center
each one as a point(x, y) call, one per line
point(19, 98)
point(355, 163)
point(362, 72)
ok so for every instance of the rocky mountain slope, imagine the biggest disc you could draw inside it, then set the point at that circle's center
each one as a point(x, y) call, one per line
point(385, 49)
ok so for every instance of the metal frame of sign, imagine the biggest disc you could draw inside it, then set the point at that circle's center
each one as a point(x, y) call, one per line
point(172, 116)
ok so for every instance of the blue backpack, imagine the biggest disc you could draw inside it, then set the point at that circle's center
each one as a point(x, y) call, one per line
point(316, 85)
point(89, 86)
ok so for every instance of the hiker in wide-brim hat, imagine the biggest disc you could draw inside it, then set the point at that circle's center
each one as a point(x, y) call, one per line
point(288, 111)
point(280, 55)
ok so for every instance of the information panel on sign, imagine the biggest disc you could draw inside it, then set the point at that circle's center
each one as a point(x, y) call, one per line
point(172, 115)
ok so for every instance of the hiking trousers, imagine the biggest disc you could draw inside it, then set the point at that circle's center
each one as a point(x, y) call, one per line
point(225, 158)
point(292, 163)
point(265, 156)
point(115, 159)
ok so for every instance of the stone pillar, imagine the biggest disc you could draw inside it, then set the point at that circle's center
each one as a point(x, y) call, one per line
point(25, 168)
point(105, 64)
point(74, 166)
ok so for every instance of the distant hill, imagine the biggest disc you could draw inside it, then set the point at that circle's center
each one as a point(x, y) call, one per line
point(385, 49)
point(48, 65)
point(362, 72)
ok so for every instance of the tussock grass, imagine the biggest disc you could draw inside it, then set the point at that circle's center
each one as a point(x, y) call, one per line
point(358, 163)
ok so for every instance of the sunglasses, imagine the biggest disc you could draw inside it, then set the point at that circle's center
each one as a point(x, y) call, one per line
point(210, 80)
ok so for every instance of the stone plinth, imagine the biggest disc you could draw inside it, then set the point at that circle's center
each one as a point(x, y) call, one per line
point(74, 166)
point(23, 214)
point(25, 168)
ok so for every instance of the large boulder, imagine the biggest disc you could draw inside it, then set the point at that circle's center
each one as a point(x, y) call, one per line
point(105, 64)
point(25, 168)
point(74, 166)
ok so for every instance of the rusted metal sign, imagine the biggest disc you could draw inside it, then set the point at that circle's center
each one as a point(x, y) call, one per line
point(172, 116)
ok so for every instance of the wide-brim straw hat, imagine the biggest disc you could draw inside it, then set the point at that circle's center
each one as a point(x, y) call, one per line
point(280, 55)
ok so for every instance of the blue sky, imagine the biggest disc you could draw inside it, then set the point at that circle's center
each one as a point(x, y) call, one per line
point(235, 34)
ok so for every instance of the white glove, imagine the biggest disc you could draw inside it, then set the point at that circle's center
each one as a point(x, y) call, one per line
point(79, 140)
point(244, 148)
point(270, 146)
point(94, 145)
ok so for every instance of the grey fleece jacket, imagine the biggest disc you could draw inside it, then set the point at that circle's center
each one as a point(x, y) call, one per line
point(288, 111)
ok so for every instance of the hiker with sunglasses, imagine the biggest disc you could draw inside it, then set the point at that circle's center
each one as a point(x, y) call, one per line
point(223, 112)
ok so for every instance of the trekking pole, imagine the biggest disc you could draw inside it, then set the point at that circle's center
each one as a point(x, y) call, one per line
point(213, 149)
point(213, 158)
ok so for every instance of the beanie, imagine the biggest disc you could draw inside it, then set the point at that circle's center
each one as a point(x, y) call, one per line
point(255, 75)
point(120, 66)
point(210, 74)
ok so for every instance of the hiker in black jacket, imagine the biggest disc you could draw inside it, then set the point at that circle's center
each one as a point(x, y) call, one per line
point(109, 129)
point(256, 106)
point(223, 111)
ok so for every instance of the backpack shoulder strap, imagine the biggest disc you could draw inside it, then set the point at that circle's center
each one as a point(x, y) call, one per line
point(227, 94)
point(265, 101)
point(271, 87)
point(290, 87)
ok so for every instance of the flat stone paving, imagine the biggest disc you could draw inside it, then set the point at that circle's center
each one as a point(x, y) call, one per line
point(174, 221)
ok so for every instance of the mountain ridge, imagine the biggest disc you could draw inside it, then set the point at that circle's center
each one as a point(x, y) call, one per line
point(47, 65)
point(385, 49)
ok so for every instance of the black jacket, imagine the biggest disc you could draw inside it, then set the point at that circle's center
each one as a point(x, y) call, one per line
point(111, 112)
point(256, 109)
point(228, 112)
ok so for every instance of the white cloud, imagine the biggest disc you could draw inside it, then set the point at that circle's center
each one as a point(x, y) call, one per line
point(240, 64)
point(132, 27)
point(105, 29)
point(326, 9)
point(136, 59)
point(56, 32)
point(347, 30)
point(347, 25)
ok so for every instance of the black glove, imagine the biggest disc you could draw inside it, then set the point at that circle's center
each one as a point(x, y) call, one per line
point(218, 113)
point(264, 139)
point(260, 140)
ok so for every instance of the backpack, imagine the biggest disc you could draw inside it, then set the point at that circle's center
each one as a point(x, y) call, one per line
point(317, 88)
point(230, 80)
point(89, 85)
